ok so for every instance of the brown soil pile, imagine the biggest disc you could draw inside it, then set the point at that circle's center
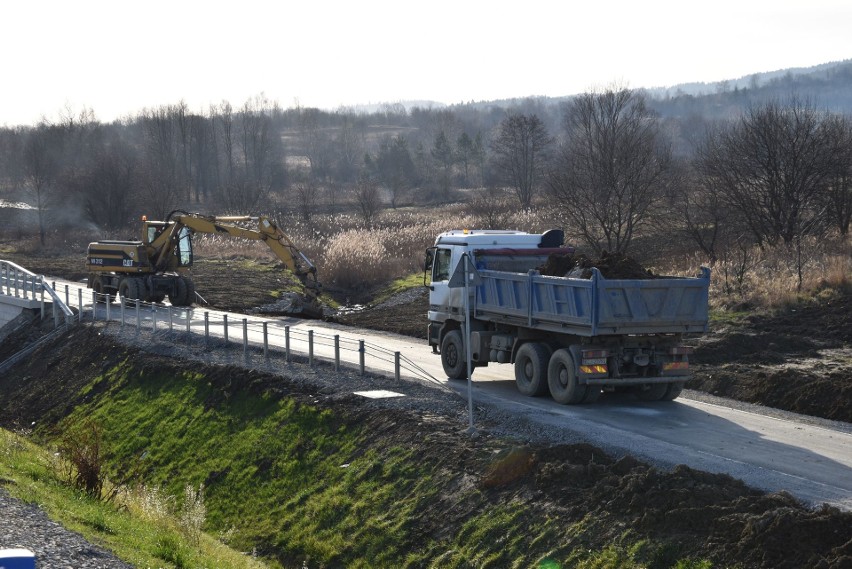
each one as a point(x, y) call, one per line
point(798, 358)
point(610, 265)
point(683, 514)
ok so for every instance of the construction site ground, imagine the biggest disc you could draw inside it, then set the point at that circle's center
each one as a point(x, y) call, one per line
point(798, 359)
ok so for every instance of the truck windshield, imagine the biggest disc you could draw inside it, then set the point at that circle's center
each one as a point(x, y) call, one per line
point(441, 265)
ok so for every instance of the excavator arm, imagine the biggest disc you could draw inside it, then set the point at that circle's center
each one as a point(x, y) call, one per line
point(267, 231)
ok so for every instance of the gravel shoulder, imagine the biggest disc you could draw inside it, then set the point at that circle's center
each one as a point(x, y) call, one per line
point(26, 526)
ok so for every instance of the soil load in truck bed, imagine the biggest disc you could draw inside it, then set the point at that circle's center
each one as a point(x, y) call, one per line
point(610, 265)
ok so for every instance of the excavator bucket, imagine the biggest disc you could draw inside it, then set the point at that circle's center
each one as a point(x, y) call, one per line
point(305, 307)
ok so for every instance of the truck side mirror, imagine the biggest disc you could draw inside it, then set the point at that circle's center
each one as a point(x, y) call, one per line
point(427, 265)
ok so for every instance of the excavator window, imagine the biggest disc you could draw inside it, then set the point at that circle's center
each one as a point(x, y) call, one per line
point(184, 247)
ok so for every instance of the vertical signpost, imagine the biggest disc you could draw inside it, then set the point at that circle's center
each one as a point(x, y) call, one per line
point(464, 276)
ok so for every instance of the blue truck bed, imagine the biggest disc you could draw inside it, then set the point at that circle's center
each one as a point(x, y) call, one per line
point(596, 306)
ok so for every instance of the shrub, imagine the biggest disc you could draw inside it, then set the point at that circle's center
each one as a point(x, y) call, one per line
point(80, 450)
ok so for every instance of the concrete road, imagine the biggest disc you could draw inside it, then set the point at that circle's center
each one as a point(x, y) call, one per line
point(810, 459)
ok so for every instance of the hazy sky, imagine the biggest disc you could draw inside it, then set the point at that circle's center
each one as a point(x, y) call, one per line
point(117, 57)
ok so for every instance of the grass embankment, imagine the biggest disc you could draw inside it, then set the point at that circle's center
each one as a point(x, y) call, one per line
point(292, 481)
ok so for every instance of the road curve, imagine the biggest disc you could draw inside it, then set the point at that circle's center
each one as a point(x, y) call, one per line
point(791, 453)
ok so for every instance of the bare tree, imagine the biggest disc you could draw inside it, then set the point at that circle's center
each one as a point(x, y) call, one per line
point(493, 209)
point(773, 165)
point(164, 182)
point(837, 198)
point(612, 168)
point(394, 167)
point(316, 142)
point(521, 153)
point(306, 199)
point(106, 187)
point(368, 199)
point(444, 155)
point(41, 169)
point(350, 150)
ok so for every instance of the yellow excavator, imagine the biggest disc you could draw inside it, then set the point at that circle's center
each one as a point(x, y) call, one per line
point(159, 264)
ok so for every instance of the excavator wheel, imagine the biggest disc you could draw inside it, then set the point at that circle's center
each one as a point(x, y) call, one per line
point(184, 292)
point(101, 296)
point(128, 290)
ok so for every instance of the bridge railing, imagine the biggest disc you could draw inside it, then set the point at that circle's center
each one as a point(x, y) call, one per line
point(18, 282)
point(215, 330)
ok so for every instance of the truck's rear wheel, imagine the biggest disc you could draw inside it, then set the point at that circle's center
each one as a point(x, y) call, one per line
point(562, 379)
point(453, 356)
point(531, 369)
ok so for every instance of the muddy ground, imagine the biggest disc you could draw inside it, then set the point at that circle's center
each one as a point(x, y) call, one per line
point(685, 513)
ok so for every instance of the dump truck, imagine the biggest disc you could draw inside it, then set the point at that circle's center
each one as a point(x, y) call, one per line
point(571, 337)
point(158, 264)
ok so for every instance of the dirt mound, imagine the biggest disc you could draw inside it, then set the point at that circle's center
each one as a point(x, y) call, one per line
point(798, 358)
point(610, 265)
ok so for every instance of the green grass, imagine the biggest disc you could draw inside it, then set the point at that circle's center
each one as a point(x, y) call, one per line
point(296, 482)
point(30, 473)
point(399, 285)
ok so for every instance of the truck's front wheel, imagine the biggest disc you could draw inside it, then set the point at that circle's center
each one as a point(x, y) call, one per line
point(452, 355)
point(562, 379)
point(531, 369)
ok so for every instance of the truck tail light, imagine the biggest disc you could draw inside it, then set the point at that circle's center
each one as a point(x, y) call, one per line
point(670, 366)
point(594, 362)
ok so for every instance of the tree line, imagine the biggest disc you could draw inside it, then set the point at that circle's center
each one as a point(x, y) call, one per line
point(614, 169)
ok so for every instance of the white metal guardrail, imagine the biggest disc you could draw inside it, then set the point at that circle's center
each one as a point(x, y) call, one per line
point(18, 282)
point(214, 330)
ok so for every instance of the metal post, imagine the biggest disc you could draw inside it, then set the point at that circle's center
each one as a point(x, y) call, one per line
point(396, 365)
point(311, 348)
point(42, 297)
point(186, 315)
point(67, 302)
point(171, 324)
point(471, 429)
point(266, 340)
point(245, 338)
point(337, 352)
point(287, 344)
point(225, 321)
point(138, 317)
point(206, 329)
point(55, 316)
point(94, 306)
point(153, 318)
point(121, 309)
point(79, 305)
point(361, 353)
point(108, 303)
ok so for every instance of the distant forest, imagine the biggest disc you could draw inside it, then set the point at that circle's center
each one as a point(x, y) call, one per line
point(607, 159)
